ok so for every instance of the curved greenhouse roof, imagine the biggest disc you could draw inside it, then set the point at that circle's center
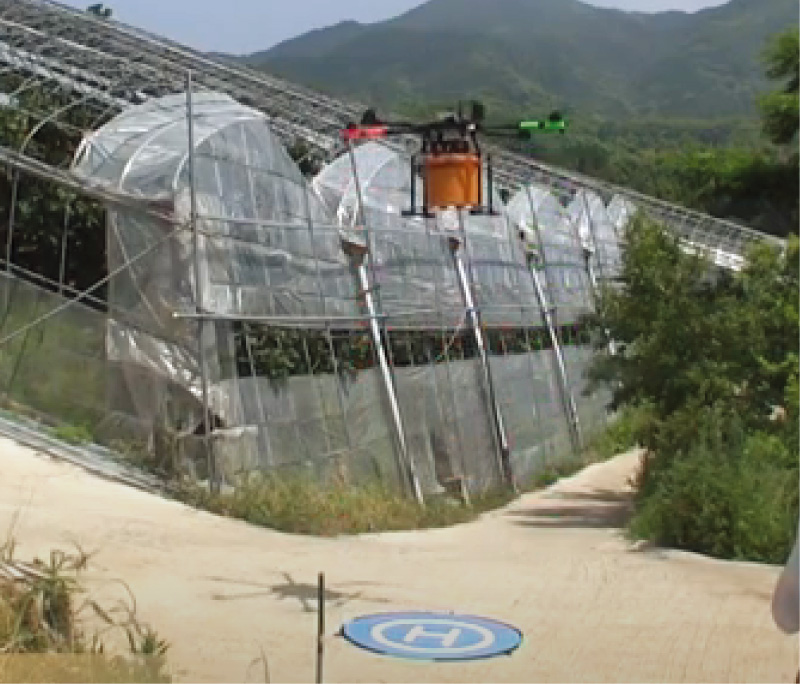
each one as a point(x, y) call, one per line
point(544, 222)
point(412, 260)
point(144, 151)
point(598, 232)
point(269, 246)
point(621, 210)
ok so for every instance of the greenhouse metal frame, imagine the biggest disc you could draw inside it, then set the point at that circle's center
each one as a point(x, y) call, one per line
point(250, 320)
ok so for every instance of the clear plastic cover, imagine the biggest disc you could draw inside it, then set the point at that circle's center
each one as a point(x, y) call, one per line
point(271, 251)
point(598, 233)
point(547, 227)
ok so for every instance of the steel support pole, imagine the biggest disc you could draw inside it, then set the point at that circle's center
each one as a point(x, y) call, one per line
point(62, 266)
point(567, 398)
point(504, 451)
point(406, 463)
point(198, 294)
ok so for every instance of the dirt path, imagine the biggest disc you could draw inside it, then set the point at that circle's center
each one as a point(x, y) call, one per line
point(554, 564)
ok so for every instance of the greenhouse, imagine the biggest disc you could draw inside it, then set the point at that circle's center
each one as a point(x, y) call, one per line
point(278, 324)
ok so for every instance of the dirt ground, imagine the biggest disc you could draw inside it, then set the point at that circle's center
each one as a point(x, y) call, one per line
point(591, 606)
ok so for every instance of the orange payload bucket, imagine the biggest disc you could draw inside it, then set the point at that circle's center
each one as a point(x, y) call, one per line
point(453, 180)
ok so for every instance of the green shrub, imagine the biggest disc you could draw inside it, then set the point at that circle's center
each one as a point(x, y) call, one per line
point(623, 433)
point(722, 491)
point(72, 434)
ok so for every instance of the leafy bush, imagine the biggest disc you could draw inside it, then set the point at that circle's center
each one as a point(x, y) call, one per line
point(719, 491)
point(709, 361)
point(622, 433)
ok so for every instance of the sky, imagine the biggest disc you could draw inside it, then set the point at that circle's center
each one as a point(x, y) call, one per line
point(245, 26)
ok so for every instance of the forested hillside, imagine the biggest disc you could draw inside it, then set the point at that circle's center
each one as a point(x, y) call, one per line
point(524, 55)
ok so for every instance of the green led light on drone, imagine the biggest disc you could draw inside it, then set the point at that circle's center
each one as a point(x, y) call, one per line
point(546, 125)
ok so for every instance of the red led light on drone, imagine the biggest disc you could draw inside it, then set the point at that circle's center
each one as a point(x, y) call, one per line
point(365, 133)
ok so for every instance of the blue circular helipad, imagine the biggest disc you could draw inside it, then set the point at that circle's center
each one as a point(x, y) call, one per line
point(432, 636)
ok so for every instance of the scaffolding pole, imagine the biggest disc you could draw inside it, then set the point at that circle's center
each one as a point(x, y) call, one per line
point(361, 255)
point(567, 397)
point(504, 450)
point(213, 481)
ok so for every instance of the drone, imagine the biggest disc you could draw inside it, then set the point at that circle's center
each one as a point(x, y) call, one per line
point(450, 160)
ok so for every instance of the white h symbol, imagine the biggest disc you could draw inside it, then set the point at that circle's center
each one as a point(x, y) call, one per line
point(448, 640)
point(408, 643)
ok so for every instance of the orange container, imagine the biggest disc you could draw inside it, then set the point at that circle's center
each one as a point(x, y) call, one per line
point(453, 180)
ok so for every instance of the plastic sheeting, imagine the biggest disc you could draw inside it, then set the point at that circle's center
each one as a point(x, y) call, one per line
point(597, 232)
point(621, 211)
point(546, 226)
point(270, 245)
point(411, 260)
point(267, 245)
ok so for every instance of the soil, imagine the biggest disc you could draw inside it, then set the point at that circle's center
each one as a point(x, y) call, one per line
point(592, 606)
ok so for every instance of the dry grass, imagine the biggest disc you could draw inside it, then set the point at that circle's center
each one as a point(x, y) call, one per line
point(302, 506)
point(41, 638)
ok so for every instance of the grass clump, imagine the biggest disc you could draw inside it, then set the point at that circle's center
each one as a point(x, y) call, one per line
point(72, 434)
point(41, 638)
point(300, 505)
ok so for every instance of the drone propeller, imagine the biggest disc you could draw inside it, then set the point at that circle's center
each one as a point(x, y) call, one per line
point(452, 165)
point(373, 128)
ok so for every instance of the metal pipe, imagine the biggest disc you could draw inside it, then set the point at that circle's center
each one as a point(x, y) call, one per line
point(293, 319)
point(406, 463)
point(504, 462)
point(12, 211)
point(10, 237)
point(412, 164)
point(198, 295)
point(567, 398)
point(62, 267)
point(490, 183)
point(320, 626)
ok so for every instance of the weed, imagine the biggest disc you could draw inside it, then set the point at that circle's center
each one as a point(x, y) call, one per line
point(41, 639)
point(72, 434)
point(300, 505)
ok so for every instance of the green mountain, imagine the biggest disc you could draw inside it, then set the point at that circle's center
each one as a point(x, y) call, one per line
point(526, 56)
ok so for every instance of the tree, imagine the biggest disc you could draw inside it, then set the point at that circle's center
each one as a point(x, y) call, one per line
point(706, 357)
point(690, 334)
point(779, 109)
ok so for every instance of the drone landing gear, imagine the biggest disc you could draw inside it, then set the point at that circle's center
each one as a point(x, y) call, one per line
point(417, 213)
point(428, 214)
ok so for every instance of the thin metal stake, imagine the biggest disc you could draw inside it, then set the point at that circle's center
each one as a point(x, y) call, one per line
point(198, 295)
point(504, 450)
point(320, 625)
point(363, 264)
